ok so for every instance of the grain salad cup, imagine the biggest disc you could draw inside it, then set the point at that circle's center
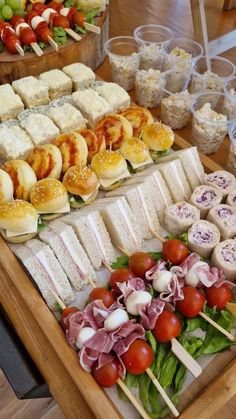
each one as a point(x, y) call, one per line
point(230, 100)
point(231, 162)
point(124, 56)
point(149, 85)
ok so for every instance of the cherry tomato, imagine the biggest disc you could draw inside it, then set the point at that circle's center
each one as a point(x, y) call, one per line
point(107, 375)
point(61, 22)
point(218, 297)
point(138, 358)
point(64, 317)
point(120, 275)
point(79, 18)
point(140, 263)
point(102, 294)
point(54, 5)
point(44, 34)
point(27, 36)
point(175, 251)
point(10, 43)
point(167, 327)
point(16, 20)
point(192, 303)
point(39, 7)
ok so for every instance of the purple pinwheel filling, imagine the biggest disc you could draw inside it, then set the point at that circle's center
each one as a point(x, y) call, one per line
point(201, 235)
point(228, 253)
point(183, 211)
point(219, 180)
point(224, 213)
point(206, 198)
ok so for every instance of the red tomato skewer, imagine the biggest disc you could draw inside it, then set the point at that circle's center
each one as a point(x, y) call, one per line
point(26, 34)
point(10, 39)
point(43, 32)
point(79, 18)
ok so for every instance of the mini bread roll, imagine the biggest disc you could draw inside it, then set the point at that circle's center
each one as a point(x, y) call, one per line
point(49, 196)
point(108, 164)
point(46, 161)
point(22, 176)
point(158, 136)
point(138, 118)
point(81, 182)
point(115, 129)
point(95, 144)
point(180, 217)
point(6, 187)
point(203, 236)
point(135, 151)
point(73, 148)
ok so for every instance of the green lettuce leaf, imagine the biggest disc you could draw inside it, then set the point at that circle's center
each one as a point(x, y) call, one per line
point(121, 262)
point(156, 255)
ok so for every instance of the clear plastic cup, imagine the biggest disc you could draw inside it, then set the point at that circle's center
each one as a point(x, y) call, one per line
point(213, 79)
point(124, 56)
point(149, 86)
point(182, 53)
point(230, 103)
point(151, 39)
point(231, 162)
point(176, 101)
point(210, 123)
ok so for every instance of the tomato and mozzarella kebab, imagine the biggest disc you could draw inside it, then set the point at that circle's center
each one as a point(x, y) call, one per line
point(23, 30)
point(10, 39)
point(40, 26)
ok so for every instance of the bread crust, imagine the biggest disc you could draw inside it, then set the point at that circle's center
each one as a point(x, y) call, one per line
point(49, 195)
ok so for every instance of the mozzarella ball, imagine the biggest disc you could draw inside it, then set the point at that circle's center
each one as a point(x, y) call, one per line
point(162, 280)
point(137, 299)
point(84, 334)
point(191, 277)
point(116, 319)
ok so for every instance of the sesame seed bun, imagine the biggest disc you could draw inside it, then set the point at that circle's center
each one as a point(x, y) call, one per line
point(138, 117)
point(95, 144)
point(135, 150)
point(46, 161)
point(22, 176)
point(82, 181)
point(158, 136)
point(73, 148)
point(48, 195)
point(108, 164)
point(6, 187)
point(115, 129)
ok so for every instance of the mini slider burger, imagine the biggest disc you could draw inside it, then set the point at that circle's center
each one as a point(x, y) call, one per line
point(159, 138)
point(110, 168)
point(6, 187)
point(46, 161)
point(22, 176)
point(50, 198)
point(136, 152)
point(18, 221)
point(82, 185)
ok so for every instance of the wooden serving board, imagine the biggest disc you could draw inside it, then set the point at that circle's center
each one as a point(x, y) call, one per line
point(75, 391)
point(89, 51)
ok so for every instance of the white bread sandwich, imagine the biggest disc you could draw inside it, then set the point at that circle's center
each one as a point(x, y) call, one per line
point(205, 197)
point(73, 148)
point(110, 168)
point(159, 139)
point(140, 201)
point(115, 129)
point(114, 94)
point(203, 237)
point(18, 221)
point(59, 84)
point(224, 258)
point(180, 217)
point(82, 185)
point(50, 198)
point(92, 106)
point(40, 128)
point(136, 153)
point(224, 217)
point(67, 117)
point(10, 103)
point(120, 223)
point(93, 235)
point(15, 143)
point(138, 118)
point(95, 144)
point(45, 271)
point(176, 180)
point(221, 180)
point(68, 250)
point(46, 161)
point(22, 176)
point(6, 187)
point(32, 91)
point(80, 74)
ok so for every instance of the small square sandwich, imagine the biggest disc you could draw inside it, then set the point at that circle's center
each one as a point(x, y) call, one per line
point(32, 91)
point(114, 94)
point(40, 128)
point(92, 106)
point(10, 103)
point(67, 248)
point(175, 178)
point(15, 143)
point(59, 84)
point(46, 271)
point(67, 117)
point(80, 74)
point(93, 235)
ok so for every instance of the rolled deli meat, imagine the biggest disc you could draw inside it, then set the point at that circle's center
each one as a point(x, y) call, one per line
point(205, 197)
point(203, 236)
point(224, 258)
point(224, 217)
point(180, 217)
point(231, 198)
point(222, 180)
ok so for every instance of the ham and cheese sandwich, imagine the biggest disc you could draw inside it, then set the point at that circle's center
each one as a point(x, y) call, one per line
point(224, 258)
point(32, 91)
point(40, 128)
point(114, 94)
point(68, 250)
point(176, 180)
point(80, 74)
point(91, 104)
point(115, 129)
point(110, 168)
point(205, 197)
point(95, 144)
point(6, 187)
point(15, 143)
point(10, 103)
point(222, 180)
point(22, 176)
point(45, 271)
point(73, 148)
point(93, 235)
point(203, 237)
point(82, 185)
point(136, 153)
point(67, 117)
point(138, 118)
point(58, 83)
point(46, 161)
point(224, 217)
point(180, 217)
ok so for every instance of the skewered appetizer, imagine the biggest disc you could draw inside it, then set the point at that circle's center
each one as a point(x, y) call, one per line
point(9, 38)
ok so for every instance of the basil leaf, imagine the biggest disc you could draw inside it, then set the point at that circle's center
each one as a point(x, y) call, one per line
point(91, 14)
point(168, 370)
point(161, 353)
point(79, 29)
point(195, 323)
point(144, 384)
point(165, 410)
point(121, 394)
point(121, 262)
point(154, 401)
point(42, 45)
point(156, 255)
point(183, 237)
point(59, 36)
point(131, 380)
point(152, 340)
point(69, 3)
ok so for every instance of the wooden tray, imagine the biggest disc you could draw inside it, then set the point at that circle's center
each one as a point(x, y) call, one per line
point(89, 51)
point(75, 391)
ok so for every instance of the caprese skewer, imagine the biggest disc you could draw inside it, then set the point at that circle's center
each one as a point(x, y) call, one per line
point(9, 39)
point(26, 34)
point(40, 26)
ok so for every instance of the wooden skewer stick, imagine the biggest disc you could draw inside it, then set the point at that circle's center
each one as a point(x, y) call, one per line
point(204, 33)
point(108, 267)
point(185, 358)
point(155, 234)
point(132, 399)
point(126, 253)
point(20, 50)
point(217, 326)
point(162, 392)
point(232, 308)
point(38, 51)
point(91, 282)
point(92, 28)
point(73, 34)
point(53, 43)
point(58, 300)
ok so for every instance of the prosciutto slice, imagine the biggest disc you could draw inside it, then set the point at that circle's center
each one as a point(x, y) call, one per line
point(151, 313)
point(95, 313)
point(134, 284)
